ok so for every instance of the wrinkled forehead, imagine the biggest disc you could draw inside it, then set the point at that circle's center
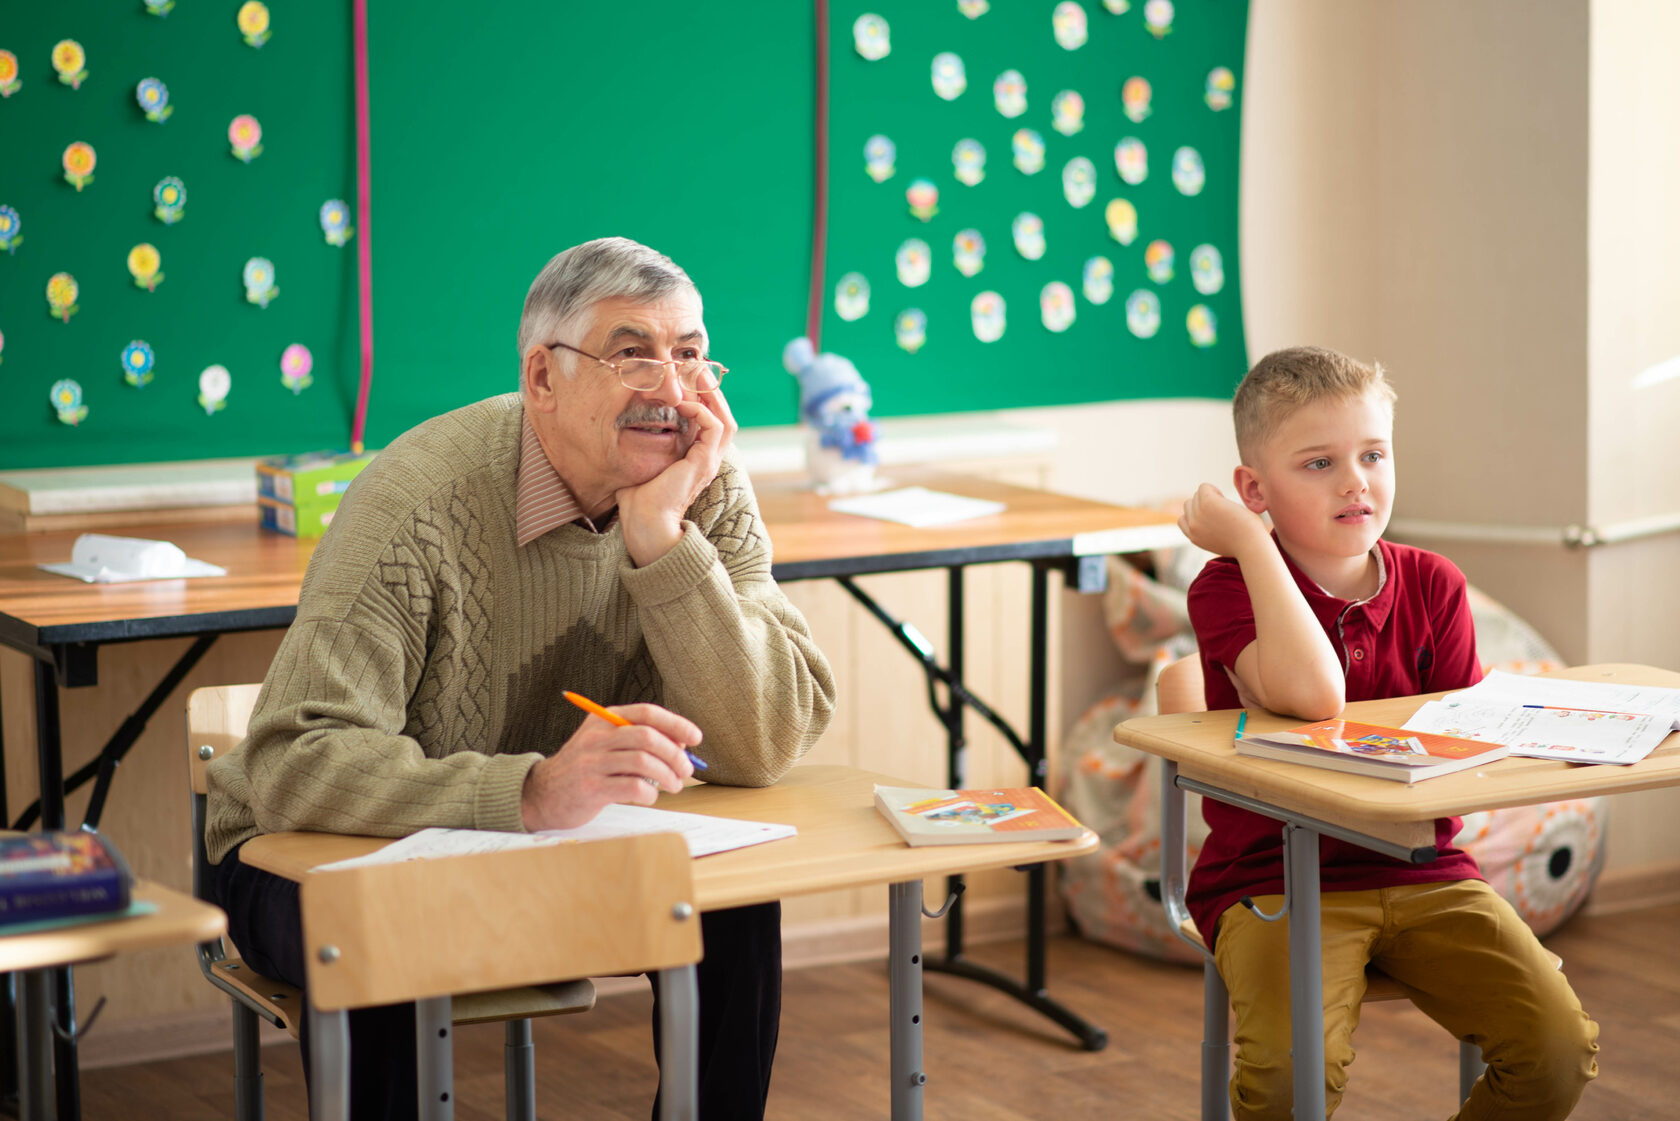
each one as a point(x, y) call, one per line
point(673, 320)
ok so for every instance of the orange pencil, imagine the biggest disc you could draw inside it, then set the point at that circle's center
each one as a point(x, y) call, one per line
point(590, 706)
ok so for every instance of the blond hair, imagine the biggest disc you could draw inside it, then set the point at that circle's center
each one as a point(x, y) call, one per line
point(1286, 380)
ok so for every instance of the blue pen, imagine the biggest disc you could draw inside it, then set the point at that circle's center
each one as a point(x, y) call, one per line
point(1242, 721)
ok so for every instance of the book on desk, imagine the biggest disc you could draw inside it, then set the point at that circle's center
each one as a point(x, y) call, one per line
point(966, 817)
point(1371, 749)
point(60, 875)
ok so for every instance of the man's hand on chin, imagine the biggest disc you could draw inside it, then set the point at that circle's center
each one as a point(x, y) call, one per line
point(651, 514)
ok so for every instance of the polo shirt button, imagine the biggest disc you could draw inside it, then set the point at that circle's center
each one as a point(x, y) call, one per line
point(1359, 655)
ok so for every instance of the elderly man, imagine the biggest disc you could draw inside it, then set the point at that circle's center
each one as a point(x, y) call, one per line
point(586, 534)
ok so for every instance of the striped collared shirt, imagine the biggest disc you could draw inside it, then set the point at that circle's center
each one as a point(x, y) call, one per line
point(542, 500)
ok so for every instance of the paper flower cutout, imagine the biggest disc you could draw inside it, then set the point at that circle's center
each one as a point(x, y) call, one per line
point(1067, 22)
point(1220, 83)
point(1056, 309)
point(70, 61)
point(137, 363)
point(879, 152)
point(1143, 313)
point(910, 329)
point(1158, 260)
point(2, 340)
point(1135, 96)
point(968, 252)
point(170, 195)
point(988, 313)
point(9, 83)
point(950, 78)
point(61, 295)
point(1067, 112)
point(1009, 93)
point(973, 9)
point(1158, 17)
point(1202, 325)
point(851, 296)
point(259, 281)
point(144, 262)
point(245, 134)
point(1079, 181)
point(153, 97)
point(1131, 160)
point(1028, 230)
point(914, 261)
point(335, 221)
point(872, 37)
point(1098, 280)
point(295, 364)
point(923, 198)
point(160, 7)
point(10, 225)
point(213, 386)
point(968, 159)
point(79, 160)
point(66, 397)
point(1207, 269)
point(1118, 7)
point(253, 22)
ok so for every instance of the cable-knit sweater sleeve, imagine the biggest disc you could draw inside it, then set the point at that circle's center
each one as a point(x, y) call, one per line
point(735, 656)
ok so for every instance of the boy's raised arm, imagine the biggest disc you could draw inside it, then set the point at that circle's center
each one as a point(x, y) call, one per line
point(1290, 667)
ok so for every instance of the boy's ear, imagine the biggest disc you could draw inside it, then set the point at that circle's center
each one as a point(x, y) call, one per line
point(1250, 491)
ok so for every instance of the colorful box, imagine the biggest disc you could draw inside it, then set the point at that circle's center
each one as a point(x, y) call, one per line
point(298, 494)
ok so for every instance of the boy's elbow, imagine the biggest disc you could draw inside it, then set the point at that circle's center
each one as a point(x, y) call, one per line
point(1308, 702)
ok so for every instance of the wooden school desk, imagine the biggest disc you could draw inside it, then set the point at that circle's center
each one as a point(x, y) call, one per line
point(1393, 818)
point(843, 842)
point(179, 919)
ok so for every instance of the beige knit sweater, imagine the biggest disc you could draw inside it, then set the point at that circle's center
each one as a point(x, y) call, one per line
point(421, 679)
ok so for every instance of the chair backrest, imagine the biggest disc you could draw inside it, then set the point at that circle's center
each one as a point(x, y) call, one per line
point(1179, 687)
point(217, 716)
point(383, 933)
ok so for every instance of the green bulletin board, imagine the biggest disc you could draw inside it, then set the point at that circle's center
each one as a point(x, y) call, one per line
point(503, 134)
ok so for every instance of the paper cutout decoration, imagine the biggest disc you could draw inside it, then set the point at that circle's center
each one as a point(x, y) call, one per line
point(66, 397)
point(1220, 83)
point(335, 221)
point(70, 61)
point(1055, 306)
point(1158, 259)
point(1067, 112)
point(1158, 17)
point(213, 386)
point(872, 37)
point(1122, 220)
point(1028, 147)
point(1188, 174)
point(253, 22)
point(973, 9)
point(968, 159)
point(1131, 160)
point(915, 262)
point(170, 195)
point(910, 329)
point(1098, 280)
point(137, 362)
point(153, 97)
point(923, 198)
point(851, 297)
point(259, 281)
point(1079, 181)
point(1143, 313)
point(968, 251)
point(144, 261)
point(1028, 229)
point(1207, 270)
point(1009, 93)
point(1068, 24)
point(61, 295)
point(10, 225)
point(295, 364)
point(160, 7)
point(9, 81)
point(949, 77)
point(245, 134)
point(989, 315)
point(1134, 98)
point(1118, 7)
point(2, 340)
point(879, 152)
point(1203, 327)
point(79, 161)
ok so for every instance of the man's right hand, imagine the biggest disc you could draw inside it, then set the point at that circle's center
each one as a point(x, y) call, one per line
point(603, 763)
point(1215, 523)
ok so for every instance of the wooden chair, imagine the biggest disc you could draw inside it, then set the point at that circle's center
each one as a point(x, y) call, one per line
point(424, 930)
point(1179, 689)
point(216, 720)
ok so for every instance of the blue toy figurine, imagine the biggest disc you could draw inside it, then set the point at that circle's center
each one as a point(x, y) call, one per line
point(834, 402)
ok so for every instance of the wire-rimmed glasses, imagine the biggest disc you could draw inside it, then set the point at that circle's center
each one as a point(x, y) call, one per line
point(696, 375)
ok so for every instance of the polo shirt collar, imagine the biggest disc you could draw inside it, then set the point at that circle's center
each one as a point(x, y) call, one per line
point(542, 500)
point(1377, 607)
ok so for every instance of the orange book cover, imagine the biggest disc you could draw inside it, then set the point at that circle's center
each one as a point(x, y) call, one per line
point(938, 817)
point(1371, 749)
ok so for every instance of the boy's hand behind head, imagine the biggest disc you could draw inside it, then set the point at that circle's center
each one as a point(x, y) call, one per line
point(1215, 523)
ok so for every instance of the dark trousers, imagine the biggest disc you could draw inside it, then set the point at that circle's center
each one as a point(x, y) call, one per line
point(740, 983)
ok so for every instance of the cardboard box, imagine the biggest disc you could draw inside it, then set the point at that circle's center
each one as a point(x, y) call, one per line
point(295, 521)
point(298, 494)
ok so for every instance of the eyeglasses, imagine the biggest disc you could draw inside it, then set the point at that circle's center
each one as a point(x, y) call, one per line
point(646, 374)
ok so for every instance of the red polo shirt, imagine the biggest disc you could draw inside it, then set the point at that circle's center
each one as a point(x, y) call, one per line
point(1415, 635)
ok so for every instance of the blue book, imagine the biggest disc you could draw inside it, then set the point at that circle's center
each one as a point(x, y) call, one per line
point(57, 875)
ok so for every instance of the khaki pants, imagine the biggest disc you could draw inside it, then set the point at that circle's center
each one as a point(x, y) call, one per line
point(1469, 962)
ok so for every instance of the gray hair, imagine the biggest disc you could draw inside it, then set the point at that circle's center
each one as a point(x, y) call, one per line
point(561, 299)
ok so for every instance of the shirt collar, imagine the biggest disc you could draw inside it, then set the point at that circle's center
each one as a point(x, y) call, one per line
point(542, 500)
point(1377, 607)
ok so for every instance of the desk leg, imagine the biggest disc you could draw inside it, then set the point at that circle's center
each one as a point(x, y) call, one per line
point(1306, 978)
point(435, 1048)
point(679, 1054)
point(904, 986)
point(34, 1008)
point(329, 1065)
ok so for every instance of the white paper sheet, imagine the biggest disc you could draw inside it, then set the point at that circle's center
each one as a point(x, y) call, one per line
point(1542, 732)
point(98, 558)
point(918, 506)
point(704, 835)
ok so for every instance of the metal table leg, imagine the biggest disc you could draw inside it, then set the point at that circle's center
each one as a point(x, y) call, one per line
point(904, 987)
point(1306, 961)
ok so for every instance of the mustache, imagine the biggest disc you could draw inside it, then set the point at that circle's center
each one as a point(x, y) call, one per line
point(637, 415)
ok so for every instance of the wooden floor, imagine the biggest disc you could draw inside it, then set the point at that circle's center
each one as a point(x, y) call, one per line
point(989, 1060)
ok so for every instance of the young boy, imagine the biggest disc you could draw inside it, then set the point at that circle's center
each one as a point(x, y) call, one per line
point(1319, 612)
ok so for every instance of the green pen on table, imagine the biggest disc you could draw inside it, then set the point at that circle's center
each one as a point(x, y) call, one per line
point(1242, 720)
point(610, 717)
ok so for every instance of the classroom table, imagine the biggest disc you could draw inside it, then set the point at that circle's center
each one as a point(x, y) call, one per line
point(843, 842)
point(61, 623)
point(176, 919)
point(1198, 754)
